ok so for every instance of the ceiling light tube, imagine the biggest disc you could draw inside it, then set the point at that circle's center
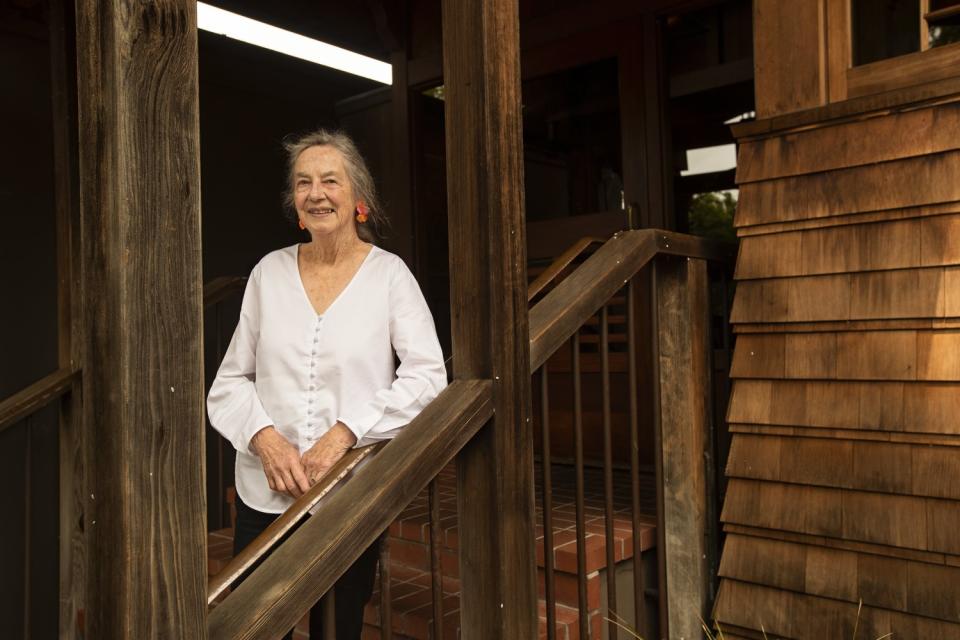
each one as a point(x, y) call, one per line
point(261, 34)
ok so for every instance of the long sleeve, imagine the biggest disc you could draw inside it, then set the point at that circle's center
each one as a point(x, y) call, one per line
point(421, 375)
point(234, 407)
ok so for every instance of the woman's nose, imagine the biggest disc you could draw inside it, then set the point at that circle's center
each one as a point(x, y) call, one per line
point(317, 192)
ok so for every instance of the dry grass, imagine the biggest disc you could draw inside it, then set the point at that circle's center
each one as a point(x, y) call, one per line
point(718, 633)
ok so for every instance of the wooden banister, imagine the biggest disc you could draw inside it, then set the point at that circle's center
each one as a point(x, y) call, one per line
point(307, 564)
point(36, 396)
point(219, 288)
point(296, 512)
point(562, 262)
point(572, 302)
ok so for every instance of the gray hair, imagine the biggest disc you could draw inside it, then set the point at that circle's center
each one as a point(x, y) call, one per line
point(357, 173)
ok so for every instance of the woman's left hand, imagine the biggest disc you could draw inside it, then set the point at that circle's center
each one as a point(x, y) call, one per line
point(325, 453)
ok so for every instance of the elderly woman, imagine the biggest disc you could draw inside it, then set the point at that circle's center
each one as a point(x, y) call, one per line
point(310, 371)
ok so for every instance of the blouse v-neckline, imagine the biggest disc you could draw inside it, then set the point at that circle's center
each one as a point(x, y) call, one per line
point(340, 294)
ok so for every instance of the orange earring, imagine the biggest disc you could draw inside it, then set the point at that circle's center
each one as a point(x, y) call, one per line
point(362, 212)
point(301, 225)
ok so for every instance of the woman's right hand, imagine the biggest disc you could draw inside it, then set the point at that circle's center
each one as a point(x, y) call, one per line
point(281, 462)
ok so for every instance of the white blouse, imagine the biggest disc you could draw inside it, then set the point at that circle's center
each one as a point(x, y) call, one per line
point(302, 373)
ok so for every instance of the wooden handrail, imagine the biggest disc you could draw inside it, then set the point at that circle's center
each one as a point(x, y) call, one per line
point(562, 262)
point(36, 396)
point(307, 564)
point(572, 302)
point(270, 536)
point(219, 288)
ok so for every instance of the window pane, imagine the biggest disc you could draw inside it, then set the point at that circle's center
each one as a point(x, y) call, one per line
point(944, 29)
point(884, 29)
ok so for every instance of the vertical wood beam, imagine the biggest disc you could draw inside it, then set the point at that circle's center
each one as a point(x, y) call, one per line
point(683, 364)
point(70, 330)
point(489, 314)
point(645, 131)
point(143, 380)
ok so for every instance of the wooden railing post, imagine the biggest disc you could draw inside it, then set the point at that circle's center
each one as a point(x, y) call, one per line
point(139, 168)
point(489, 314)
point(682, 360)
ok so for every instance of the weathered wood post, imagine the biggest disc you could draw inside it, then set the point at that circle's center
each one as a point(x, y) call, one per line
point(682, 361)
point(481, 65)
point(142, 368)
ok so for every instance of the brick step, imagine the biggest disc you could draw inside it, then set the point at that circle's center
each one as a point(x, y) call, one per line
point(412, 609)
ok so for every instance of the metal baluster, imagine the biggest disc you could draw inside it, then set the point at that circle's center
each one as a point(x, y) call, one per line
point(547, 490)
point(580, 528)
point(640, 610)
point(436, 570)
point(612, 629)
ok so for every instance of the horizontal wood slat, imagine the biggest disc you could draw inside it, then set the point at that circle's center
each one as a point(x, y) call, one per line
point(857, 546)
point(889, 185)
point(896, 584)
point(793, 615)
point(907, 293)
point(927, 439)
point(294, 577)
point(896, 468)
point(924, 524)
point(897, 244)
point(36, 396)
point(879, 139)
point(864, 217)
point(919, 407)
point(853, 355)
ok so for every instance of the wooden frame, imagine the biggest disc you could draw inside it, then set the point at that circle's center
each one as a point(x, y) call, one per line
point(847, 81)
point(489, 308)
point(139, 169)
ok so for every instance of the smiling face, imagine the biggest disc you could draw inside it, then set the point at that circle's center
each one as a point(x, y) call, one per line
point(322, 192)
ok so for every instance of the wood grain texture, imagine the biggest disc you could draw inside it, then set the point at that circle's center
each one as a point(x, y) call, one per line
point(301, 570)
point(917, 96)
point(143, 378)
point(880, 138)
point(906, 70)
point(683, 352)
point(901, 183)
point(895, 244)
point(905, 293)
point(71, 446)
point(863, 217)
point(895, 584)
point(793, 615)
point(488, 284)
point(918, 407)
point(894, 355)
point(787, 57)
point(907, 521)
point(885, 467)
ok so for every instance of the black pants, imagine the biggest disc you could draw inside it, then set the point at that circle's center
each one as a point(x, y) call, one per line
point(351, 592)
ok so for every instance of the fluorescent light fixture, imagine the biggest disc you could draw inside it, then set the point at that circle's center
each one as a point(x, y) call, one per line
point(710, 159)
point(261, 34)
